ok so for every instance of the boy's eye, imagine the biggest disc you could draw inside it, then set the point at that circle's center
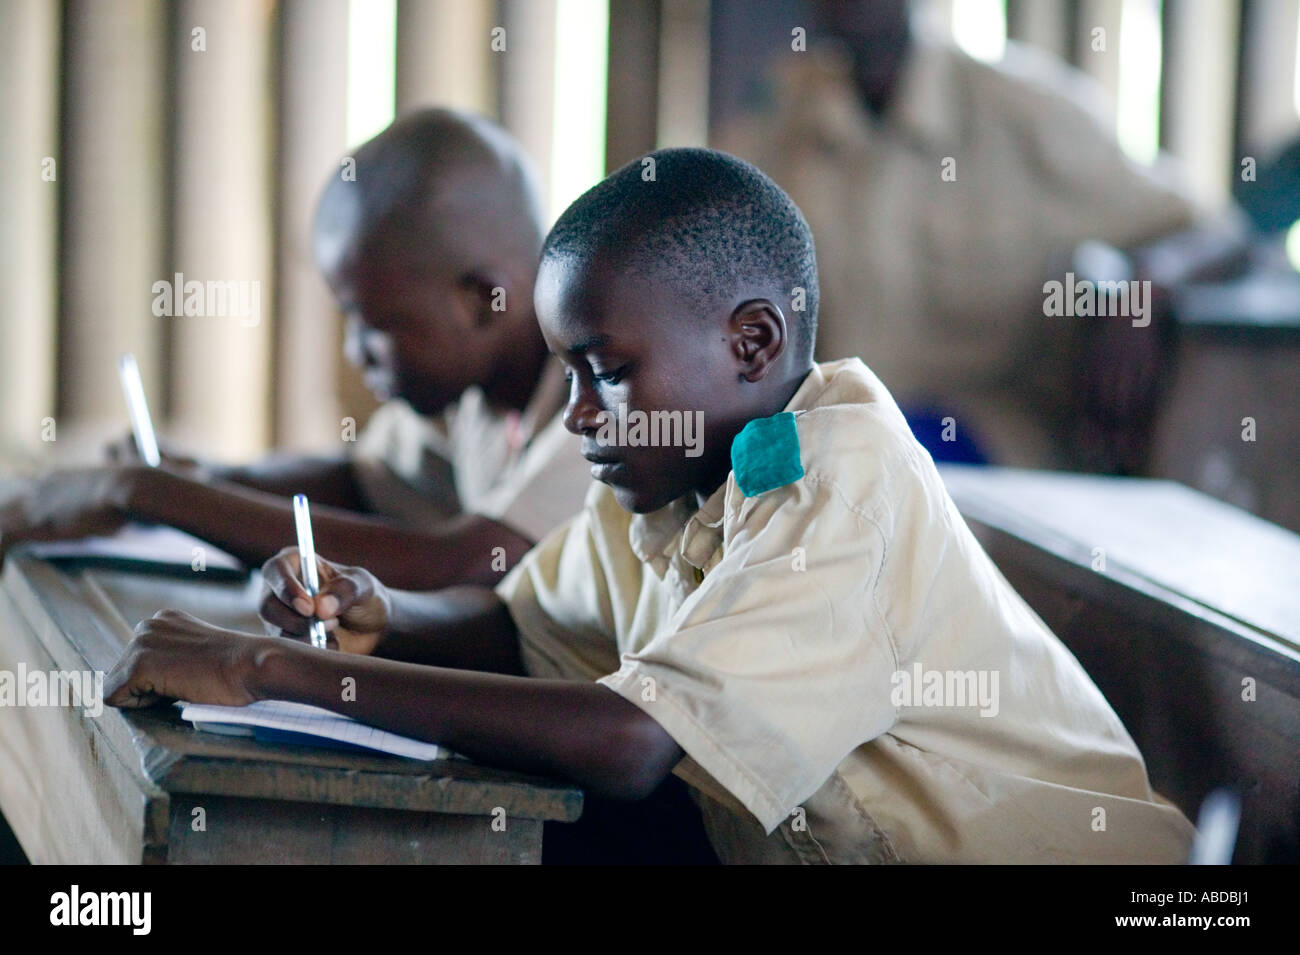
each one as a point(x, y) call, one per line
point(611, 377)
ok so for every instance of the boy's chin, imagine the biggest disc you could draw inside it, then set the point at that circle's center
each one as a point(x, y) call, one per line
point(638, 501)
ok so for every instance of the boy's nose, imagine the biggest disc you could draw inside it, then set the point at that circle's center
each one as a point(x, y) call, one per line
point(580, 414)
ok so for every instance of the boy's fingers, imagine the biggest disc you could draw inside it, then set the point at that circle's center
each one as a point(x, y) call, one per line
point(338, 595)
point(280, 575)
point(278, 614)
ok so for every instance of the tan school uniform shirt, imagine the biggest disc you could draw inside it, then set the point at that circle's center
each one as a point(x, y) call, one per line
point(765, 635)
point(524, 470)
point(938, 285)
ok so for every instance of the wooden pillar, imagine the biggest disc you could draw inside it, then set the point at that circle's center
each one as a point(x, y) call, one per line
point(683, 111)
point(1042, 24)
point(1200, 45)
point(527, 68)
point(312, 127)
point(632, 106)
point(111, 177)
point(443, 56)
point(221, 363)
point(1102, 64)
point(30, 154)
point(1268, 113)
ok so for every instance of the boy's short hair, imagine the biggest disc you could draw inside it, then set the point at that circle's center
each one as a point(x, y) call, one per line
point(708, 222)
point(410, 182)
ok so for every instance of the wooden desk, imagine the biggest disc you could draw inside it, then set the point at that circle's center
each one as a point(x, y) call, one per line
point(1236, 354)
point(124, 787)
point(1195, 598)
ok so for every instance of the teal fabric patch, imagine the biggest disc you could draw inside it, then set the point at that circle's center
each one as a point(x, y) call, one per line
point(765, 455)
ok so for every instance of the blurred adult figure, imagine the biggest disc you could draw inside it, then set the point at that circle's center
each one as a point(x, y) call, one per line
point(943, 192)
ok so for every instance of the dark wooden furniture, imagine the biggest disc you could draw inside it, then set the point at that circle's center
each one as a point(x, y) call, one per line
point(1191, 628)
point(125, 787)
point(1236, 356)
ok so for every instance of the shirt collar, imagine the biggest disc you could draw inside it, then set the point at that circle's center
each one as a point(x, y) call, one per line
point(694, 531)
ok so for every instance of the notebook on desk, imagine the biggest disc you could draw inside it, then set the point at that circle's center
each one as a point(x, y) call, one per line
point(155, 548)
point(280, 721)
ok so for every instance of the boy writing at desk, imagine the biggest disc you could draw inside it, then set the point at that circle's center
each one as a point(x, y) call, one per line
point(741, 616)
point(431, 251)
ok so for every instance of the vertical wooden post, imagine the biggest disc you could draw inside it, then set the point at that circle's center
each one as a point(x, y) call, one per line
point(684, 74)
point(443, 57)
point(221, 364)
point(35, 172)
point(1200, 46)
point(528, 82)
point(632, 106)
point(112, 184)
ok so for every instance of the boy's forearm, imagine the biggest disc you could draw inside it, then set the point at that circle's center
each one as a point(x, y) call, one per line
point(579, 731)
point(464, 628)
point(328, 481)
point(254, 526)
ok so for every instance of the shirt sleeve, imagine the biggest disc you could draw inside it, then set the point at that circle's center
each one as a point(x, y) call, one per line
point(402, 464)
point(559, 597)
point(547, 487)
point(779, 664)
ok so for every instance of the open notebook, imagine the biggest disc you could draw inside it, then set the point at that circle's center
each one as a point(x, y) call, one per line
point(280, 721)
point(149, 547)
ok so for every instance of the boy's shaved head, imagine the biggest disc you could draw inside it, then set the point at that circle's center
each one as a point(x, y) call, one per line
point(683, 285)
point(428, 236)
point(435, 179)
point(710, 224)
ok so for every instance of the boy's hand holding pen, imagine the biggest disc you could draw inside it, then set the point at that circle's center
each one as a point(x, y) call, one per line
point(351, 602)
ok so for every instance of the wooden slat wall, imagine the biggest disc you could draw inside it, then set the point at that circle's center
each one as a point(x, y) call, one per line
point(168, 159)
point(1043, 24)
point(632, 104)
point(312, 69)
point(1198, 92)
point(443, 55)
point(29, 68)
point(113, 210)
point(1266, 103)
point(528, 81)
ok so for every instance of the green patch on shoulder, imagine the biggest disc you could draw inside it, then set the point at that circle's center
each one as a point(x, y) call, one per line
point(765, 455)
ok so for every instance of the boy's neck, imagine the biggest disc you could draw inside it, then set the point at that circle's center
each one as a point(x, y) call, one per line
point(782, 394)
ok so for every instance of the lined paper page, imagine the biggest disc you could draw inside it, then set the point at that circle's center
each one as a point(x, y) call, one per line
point(314, 721)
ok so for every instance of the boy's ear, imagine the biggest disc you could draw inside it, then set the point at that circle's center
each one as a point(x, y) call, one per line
point(488, 295)
point(758, 335)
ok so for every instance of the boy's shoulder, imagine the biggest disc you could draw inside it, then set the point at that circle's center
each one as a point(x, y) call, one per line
point(851, 434)
point(841, 432)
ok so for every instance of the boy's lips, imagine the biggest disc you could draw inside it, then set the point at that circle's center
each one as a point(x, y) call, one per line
point(603, 466)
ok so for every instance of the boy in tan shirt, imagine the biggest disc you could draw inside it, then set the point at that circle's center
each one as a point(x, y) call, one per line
point(431, 251)
point(789, 614)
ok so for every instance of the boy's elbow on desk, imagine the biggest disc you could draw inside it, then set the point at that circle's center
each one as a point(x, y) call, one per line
point(636, 756)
